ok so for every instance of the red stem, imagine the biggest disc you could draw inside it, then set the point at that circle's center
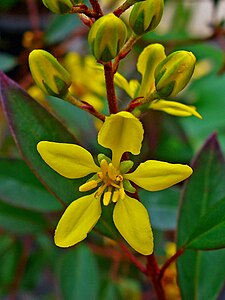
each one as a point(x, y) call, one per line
point(130, 255)
point(96, 7)
point(110, 89)
point(152, 271)
point(169, 262)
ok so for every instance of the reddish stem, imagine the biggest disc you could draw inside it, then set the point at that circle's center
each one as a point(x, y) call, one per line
point(169, 262)
point(121, 9)
point(152, 271)
point(96, 7)
point(110, 89)
point(130, 255)
point(33, 15)
point(83, 9)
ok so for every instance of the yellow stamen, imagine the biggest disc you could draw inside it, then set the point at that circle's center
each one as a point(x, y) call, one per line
point(115, 196)
point(100, 190)
point(119, 178)
point(88, 186)
point(107, 197)
point(100, 175)
point(112, 172)
point(104, 166)
point(121, 191)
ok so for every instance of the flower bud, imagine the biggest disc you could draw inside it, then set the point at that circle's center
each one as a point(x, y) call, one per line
point(145, 16)
point(48, 74)
point(59, 6)
point(174, 72)
point(106, 37)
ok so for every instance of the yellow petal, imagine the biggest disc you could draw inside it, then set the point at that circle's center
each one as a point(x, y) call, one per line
point(132, 220)
point(148, 60)
point(154, 175)
point(121, 132)
point(77, 221)
point(71, 161)
point(175, 108)
point(121, 82)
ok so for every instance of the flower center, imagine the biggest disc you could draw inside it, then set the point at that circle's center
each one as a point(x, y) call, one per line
point(109, 182)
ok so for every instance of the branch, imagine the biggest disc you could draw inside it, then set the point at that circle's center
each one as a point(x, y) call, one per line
point(169, 262)
point(84, 106)
point(110, 89)
point(96, 7)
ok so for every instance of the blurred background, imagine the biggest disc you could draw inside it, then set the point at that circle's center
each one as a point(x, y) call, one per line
point(31, 266)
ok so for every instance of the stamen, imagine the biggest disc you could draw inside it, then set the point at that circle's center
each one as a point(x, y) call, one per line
point(115, 185)
point(121, 191)
point(100, 175)
point(100, 190)
point(104, 166)
point(115, 196)
point(119, 178)
point(112, 172)
point(88, 186)
point(107, 197)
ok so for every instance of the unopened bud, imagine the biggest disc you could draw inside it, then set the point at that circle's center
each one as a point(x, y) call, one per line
point(59, 6)
point(106, 37)
point(145, 16)
point(174, 72)
point(48, 74)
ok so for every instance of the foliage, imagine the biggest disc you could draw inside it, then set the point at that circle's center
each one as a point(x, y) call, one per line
point(103, 104)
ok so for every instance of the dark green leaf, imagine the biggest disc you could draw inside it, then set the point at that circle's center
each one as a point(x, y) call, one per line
point(19, 221)
point(204, 189)
point(60, 27)
point(31, 123)
point(79, 274)
point(20, 188)
point(162, 207)
point(209, 233)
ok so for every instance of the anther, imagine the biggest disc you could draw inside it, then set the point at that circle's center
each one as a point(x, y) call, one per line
point(104, 166)
point(100, 190)
point(88, 186)
point(112, 172)
point(107, 197)
point(115, 196)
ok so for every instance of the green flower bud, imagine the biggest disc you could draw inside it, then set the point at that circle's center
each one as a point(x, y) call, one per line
point(145, 16)
point(174, 72)
point(59, 6)
point(106, 37)
point(48, 74)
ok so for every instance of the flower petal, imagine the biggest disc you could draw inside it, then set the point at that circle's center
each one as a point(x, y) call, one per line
point(77, 221)
point(148, 60)
point(132, 220)
point(121, 132)
point(154, 175)
point(71, 161)
point(175, 108)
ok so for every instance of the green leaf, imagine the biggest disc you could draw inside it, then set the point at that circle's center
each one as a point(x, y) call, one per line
point(209, 233)
point(78, 274)
point(162, 207)
point(30, 123)
point(20, 188)
point(205, 188)
point(60, 27)
point(19, 221)
point(7, 62)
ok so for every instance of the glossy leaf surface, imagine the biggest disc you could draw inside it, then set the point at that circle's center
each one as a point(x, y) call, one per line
point(205, 188)
point(30, 123)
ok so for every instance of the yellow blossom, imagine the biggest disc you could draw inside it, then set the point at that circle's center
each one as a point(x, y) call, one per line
point(121, 133)
point(150, 58)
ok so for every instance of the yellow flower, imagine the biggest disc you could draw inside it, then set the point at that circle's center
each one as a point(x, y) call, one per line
point(121, 133)
point(148, 61)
